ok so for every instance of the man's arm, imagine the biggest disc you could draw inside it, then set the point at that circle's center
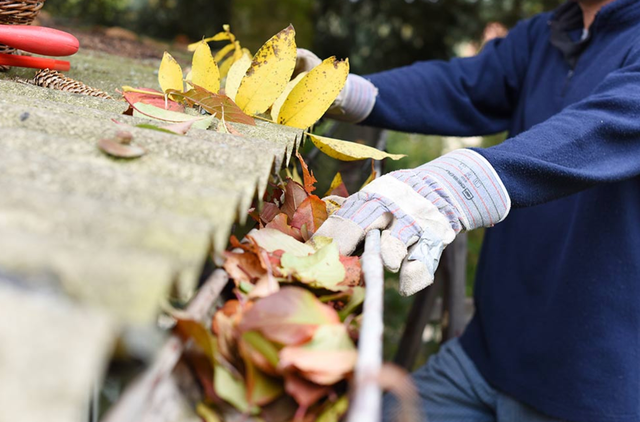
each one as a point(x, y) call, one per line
point(596, 140)
point(462, 97)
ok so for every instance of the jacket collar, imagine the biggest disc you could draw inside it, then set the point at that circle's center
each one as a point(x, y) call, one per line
point(616, 13)
point(568, 18)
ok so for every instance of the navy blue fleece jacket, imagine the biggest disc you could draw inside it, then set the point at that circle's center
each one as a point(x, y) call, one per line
point(557, 321)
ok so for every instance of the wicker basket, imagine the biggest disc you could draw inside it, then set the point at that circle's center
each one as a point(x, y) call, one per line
point(17, 13)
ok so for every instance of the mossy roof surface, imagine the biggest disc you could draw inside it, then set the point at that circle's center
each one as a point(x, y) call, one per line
point(117, 234)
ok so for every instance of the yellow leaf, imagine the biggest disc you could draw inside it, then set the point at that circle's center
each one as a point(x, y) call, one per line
point(226, 65)
point(235, 75)
point(349, 151)
point(188, 80)
point(269, 73)
point(337, 181)
point(220, 36)
point(311, 98)
point(275, 108)
point(170, 74)
point(127, 88)
point(204, 70)
point(222, 53)
point(206, 413)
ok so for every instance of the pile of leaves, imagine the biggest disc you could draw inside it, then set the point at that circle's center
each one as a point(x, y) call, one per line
point(284, 348)
point(235, 88)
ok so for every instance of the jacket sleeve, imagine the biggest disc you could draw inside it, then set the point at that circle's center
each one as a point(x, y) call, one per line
point(462, 97)
point(594, 141)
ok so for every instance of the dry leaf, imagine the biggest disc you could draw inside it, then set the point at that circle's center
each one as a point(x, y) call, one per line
point(269, 212)
point(151, 97)
point(269, 73)
point(294, 195)
point(349, 151)
point(235, 75)
point(328, 358)
point(289, 317)
point(281, 222)
point(170, 74)
point(277, 105)
point(337, 187)
point(120, 150)
point(225, 66)
point(312, 97)
point(323, 269)
point(353, 270)
point(273, 240)
point(309, 180)
point(304, 392)
point(204, 70)
point(311, 213)
point(218, 105)
point(220, 36)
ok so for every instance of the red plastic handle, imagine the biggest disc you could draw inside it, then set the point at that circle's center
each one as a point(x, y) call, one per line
point(39, 40)
point(34, 62)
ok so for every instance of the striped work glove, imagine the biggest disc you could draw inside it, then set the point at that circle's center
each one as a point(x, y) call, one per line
point(420, 212)
point(356, 100)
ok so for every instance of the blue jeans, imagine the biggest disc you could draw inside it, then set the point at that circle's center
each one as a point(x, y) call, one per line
point(452, 390)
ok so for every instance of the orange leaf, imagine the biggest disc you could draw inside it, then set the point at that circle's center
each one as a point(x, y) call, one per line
point(353, 270)
point(156, 100)
point(218, 105)
point(243, 267)
point(311, 213)
point(289, 317)
point(309, 179)
point(294, 195)
point(281, 222)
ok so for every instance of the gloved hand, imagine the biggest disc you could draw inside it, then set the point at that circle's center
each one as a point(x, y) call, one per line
point(420, 212)
point(356, 100)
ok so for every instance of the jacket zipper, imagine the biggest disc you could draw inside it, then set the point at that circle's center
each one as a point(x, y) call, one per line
point(567, 81)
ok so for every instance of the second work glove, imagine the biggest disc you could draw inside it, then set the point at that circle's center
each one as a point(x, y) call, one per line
point(420, 212)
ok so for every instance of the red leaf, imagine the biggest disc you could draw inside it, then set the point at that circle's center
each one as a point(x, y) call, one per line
point(204, 372)
point(290, 316)
point(309, 179)
point(341, 190)
point(294, 195)
point(219, 105)
point(269, 211)
point(353, 270)
point(304, 392)
point(311, 214)
point(243, 266)
point(154, 100)
point(280, 222)
point(337, 187)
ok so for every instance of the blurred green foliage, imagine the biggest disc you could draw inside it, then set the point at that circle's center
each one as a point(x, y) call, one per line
point(374, 34)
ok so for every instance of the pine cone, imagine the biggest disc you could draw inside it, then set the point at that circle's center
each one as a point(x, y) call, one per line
point(55, 80)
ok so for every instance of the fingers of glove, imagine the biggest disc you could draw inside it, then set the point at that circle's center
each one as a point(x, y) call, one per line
point(306, 61)
point(346, 233)
point(402, 233)
point(419, 267)
point(414, 276)
point(392, 251)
